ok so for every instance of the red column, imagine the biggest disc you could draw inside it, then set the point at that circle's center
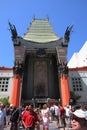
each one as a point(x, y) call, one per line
point(15, 94)
point(65, 92)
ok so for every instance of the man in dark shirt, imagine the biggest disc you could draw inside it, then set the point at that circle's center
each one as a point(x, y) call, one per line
point(15, 118)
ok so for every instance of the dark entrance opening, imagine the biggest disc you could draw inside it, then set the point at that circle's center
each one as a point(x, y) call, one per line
point(40, 79)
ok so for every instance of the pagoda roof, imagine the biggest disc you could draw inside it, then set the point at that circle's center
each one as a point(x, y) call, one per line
point(40, 31)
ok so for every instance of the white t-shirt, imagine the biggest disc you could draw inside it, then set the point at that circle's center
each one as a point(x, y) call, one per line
point(67, 112)
point(56, 108)
point(44, 115)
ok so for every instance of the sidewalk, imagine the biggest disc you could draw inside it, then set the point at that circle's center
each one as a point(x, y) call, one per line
point(52, 127)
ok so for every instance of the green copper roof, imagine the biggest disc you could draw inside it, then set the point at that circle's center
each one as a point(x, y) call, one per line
point(40, 31)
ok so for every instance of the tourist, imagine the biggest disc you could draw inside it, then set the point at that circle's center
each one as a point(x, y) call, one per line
point(7, 108)
point(4, 111)
point(2, 117)
point(67, 115)
point(79, 120)
point(29, 118)
point(15, 118)
point(37, 117)
point(52, 111)
point(56, 114)
point(45, 117)
point(62, 116)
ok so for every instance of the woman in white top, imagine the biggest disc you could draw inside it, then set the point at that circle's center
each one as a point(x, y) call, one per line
point(45, 117)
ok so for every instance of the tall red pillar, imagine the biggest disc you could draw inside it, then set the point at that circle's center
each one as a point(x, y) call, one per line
point(65, 92)
point(15, 94)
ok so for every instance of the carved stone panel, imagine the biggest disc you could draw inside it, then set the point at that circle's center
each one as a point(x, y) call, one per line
point(40, 79)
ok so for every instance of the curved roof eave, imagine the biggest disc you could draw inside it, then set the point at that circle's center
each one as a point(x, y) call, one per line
point(41, 40)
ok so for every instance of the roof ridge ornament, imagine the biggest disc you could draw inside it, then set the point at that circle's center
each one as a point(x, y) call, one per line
point(13, 30)
point(33, 18)
point(47, 17)
point(67, 33)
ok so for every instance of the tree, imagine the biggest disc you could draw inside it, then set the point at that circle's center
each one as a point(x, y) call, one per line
point(74, 98)
point(5, 100)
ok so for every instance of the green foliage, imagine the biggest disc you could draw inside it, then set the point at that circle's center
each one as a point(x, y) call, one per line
point(5, 100)
point(74, 97)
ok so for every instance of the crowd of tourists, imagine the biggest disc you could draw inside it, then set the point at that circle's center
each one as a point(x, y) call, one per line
point(29, 117)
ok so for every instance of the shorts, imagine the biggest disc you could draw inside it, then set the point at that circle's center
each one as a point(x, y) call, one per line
point(56, 117)
point(45, 125)
point(30, 128)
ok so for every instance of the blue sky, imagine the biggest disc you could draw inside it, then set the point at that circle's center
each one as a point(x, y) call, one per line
point(62, 13)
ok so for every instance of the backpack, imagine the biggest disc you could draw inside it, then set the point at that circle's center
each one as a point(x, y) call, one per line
point(52, 110)
point(14, 116)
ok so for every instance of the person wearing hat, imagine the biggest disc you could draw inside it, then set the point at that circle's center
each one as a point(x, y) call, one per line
point(79, 120)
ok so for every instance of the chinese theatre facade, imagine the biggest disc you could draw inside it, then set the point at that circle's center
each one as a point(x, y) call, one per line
point(40, 69)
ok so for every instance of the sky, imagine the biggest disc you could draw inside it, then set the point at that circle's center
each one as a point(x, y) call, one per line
point(61, 13)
